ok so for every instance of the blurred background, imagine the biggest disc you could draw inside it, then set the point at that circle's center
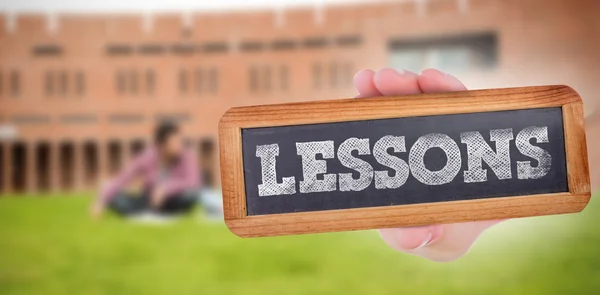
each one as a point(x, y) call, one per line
point(82, 83)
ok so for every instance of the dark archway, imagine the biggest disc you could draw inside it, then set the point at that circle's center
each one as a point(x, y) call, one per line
point(42, 166)
point(90, 163)
point(67, 165)
point(137, 146)
point(207, 160)
point(19, 167)
point(115, 154)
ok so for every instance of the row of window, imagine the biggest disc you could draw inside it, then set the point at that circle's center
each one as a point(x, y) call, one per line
point(333, 74)
point(217, 47)
point(201, 80)
point(121, 118)
point(10, 83)
point(63, 83)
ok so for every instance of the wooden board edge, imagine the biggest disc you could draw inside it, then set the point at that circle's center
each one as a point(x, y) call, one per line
point(232, 172)
point(473, 101)
point(578, 171)
point(408, 215)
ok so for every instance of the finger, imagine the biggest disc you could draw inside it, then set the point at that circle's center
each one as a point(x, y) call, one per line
point(432, 80)
point(409, 239)
point(456, 240)
point(363, 81)
point(390, 82)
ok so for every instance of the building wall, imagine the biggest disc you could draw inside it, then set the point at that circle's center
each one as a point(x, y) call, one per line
point(71, 81)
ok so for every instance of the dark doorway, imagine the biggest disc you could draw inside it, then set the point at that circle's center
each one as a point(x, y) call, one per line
point(207, 161)
point(90, 163)
point(19, 167)
point(67, 165)
point(115, 154)
point(42, 166)
point(137, 146)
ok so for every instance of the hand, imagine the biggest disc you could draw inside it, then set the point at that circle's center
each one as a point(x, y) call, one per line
point(157, 198)
point(443, 242)
point(97, 209)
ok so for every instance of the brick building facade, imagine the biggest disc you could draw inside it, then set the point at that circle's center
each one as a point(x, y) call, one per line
point(79, 94)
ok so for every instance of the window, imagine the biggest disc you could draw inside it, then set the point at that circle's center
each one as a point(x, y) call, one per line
point(316, 42)
point(49, 83)
point(473, 52)
point(317, 73)
point(213, 80)
point(348, 73)
point(252, 46)
point(254, 79)
point(151, 49)
point(62, 84)
point(283, 45)
point(47, 50)
point(349, 40)
point(284, 77)
point(15, 83)
point(79, 83)
point(119, 49)
point(150, 81)
point(125, 118)
point(78, 119)
point(183, 48)
point(133, 81)
point(172, 117)
point(183, 83)
point(266, 77)
point(199, 80)
point(215, 47)
point(333, 74)
point(30, 119)
point(121, 83)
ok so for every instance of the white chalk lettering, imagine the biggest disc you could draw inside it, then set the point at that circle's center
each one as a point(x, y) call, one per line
point(311, 167)
point(416, 159)
point(269, 186)
point(544, 159)
point(347, 183)
point(356, 154)
point(479, 151)
point(382, 178)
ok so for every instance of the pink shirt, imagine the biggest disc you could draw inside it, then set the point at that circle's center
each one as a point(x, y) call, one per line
point(146, 167)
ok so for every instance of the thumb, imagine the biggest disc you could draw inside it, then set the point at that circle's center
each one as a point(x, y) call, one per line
point(408, 239)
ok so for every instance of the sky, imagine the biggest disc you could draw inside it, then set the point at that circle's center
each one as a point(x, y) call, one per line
point(16, 6)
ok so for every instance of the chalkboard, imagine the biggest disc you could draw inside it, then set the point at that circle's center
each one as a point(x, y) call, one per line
point(352, 164)
point(539, 129)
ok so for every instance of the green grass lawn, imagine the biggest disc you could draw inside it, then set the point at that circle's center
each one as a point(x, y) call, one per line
point(48, 245)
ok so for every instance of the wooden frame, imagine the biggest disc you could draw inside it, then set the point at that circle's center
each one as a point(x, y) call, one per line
point(232, 173)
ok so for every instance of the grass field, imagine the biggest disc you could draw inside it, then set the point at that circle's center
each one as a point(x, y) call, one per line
point(50, 246)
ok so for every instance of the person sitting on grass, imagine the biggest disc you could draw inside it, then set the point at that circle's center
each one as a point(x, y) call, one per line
point(168, 175)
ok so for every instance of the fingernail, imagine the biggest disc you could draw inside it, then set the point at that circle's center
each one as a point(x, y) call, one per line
point(426, 241)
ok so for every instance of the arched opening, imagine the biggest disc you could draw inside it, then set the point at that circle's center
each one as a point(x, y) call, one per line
point(115, 154)
point(19, 167)
point(42, 166)
point(136, 147)
point(207, 161)
point(90, 163)
point(67, 165)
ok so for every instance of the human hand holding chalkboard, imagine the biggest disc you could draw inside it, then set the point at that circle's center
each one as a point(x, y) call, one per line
point(442, 242)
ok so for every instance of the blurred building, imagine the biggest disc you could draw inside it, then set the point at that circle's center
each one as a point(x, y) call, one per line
point(79, 94)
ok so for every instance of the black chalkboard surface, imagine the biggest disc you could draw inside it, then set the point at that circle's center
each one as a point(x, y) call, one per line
point(352, 164)
point(514, 123)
